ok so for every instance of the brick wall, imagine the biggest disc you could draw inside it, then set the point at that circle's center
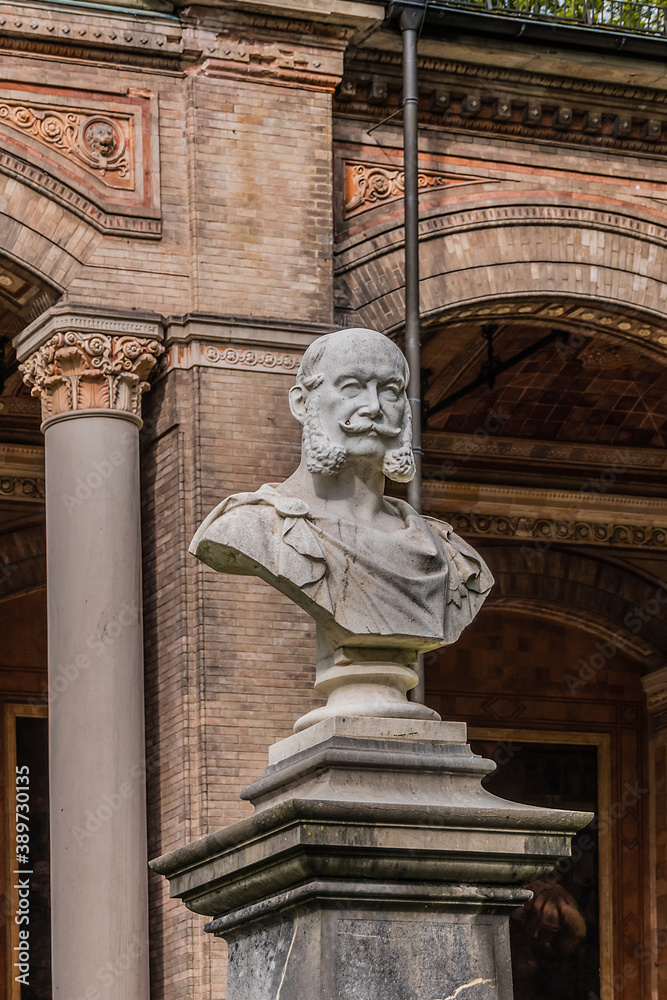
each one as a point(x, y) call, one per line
point(260, 176)
point(229, 661)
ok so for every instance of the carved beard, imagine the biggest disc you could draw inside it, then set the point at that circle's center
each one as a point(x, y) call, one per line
point(324, 458)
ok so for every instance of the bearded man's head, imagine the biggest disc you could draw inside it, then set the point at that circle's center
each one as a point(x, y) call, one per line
point(335, 352)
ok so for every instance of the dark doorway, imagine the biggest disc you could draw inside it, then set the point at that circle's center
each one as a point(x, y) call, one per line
point(555, 937)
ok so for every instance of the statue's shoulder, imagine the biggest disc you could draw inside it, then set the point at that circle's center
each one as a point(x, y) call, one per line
point(249, 525)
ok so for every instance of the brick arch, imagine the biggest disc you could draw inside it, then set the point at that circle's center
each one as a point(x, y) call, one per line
point(520, 250)
point(41, 235)
point(597, 596)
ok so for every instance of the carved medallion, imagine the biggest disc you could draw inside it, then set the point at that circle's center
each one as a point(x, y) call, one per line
point(100, 143)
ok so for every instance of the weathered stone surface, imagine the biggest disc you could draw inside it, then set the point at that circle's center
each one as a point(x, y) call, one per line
point(373, 949)
point(422, 731)
point(372, 867)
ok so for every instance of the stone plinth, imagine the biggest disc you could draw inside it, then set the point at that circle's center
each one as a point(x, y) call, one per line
point(375, 866)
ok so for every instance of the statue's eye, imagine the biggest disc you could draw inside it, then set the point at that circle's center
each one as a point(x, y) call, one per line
point(391, 391)
point(350, 387)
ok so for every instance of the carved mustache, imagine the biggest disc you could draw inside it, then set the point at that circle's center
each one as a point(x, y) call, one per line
point(364, 426)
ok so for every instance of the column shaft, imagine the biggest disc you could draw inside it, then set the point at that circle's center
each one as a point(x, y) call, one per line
point(96, 707)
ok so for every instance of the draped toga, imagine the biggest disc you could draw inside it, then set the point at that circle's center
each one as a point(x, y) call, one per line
point(420, 585)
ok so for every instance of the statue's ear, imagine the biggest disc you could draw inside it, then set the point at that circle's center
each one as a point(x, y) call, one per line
point(297, 403)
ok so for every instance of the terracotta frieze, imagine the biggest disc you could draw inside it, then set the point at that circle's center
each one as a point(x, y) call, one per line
point(549, 529)
point(21, 488)
point(95, 153)
point(232, 356)
point(99, 142)
point(368, 184)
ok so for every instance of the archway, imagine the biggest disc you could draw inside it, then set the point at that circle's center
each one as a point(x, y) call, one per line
point(510, 678)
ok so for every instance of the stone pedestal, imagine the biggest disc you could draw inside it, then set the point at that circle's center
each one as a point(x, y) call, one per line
point(375, 867)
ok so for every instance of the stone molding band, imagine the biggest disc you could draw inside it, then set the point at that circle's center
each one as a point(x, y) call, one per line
point(372, 244)
point(133, 418)
point(74, 371)
point(547, 530)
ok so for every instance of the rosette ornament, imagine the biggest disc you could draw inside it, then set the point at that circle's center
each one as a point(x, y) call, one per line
point(74, 371)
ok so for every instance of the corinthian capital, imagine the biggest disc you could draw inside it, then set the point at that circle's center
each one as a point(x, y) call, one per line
point(74, 370)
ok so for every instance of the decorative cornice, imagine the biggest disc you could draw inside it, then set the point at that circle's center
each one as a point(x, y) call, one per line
point(253, 333)
point(367, 61)
point(74, 371)
point(548, 530)
point(109, 36)
point(561, 505)
point(304, 61)
point(510, 103)
point(22, 461)
point(21, 488)
point(541, 517)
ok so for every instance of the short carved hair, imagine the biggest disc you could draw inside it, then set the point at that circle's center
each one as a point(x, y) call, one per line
point(308, 376)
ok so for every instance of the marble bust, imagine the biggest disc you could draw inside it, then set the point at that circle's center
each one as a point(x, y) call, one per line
point(369, 569)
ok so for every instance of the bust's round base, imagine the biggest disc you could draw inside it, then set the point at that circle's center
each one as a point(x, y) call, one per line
point(366, 682)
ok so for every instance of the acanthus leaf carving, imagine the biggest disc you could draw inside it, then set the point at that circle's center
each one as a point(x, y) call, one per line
point(99, 142)
point(77, 371)
point(367, 184)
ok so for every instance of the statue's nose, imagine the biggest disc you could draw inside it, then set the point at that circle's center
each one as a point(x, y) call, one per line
point(370, 405)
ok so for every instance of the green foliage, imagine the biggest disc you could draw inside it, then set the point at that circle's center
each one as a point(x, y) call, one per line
point(628, 15)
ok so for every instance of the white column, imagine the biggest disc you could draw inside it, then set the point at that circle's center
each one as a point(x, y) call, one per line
point(90, 388)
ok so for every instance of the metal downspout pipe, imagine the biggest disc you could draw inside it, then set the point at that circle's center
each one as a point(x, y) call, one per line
point(410, 22)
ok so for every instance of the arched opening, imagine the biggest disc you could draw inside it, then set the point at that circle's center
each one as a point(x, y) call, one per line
point(24, 295)
point(511, 679)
